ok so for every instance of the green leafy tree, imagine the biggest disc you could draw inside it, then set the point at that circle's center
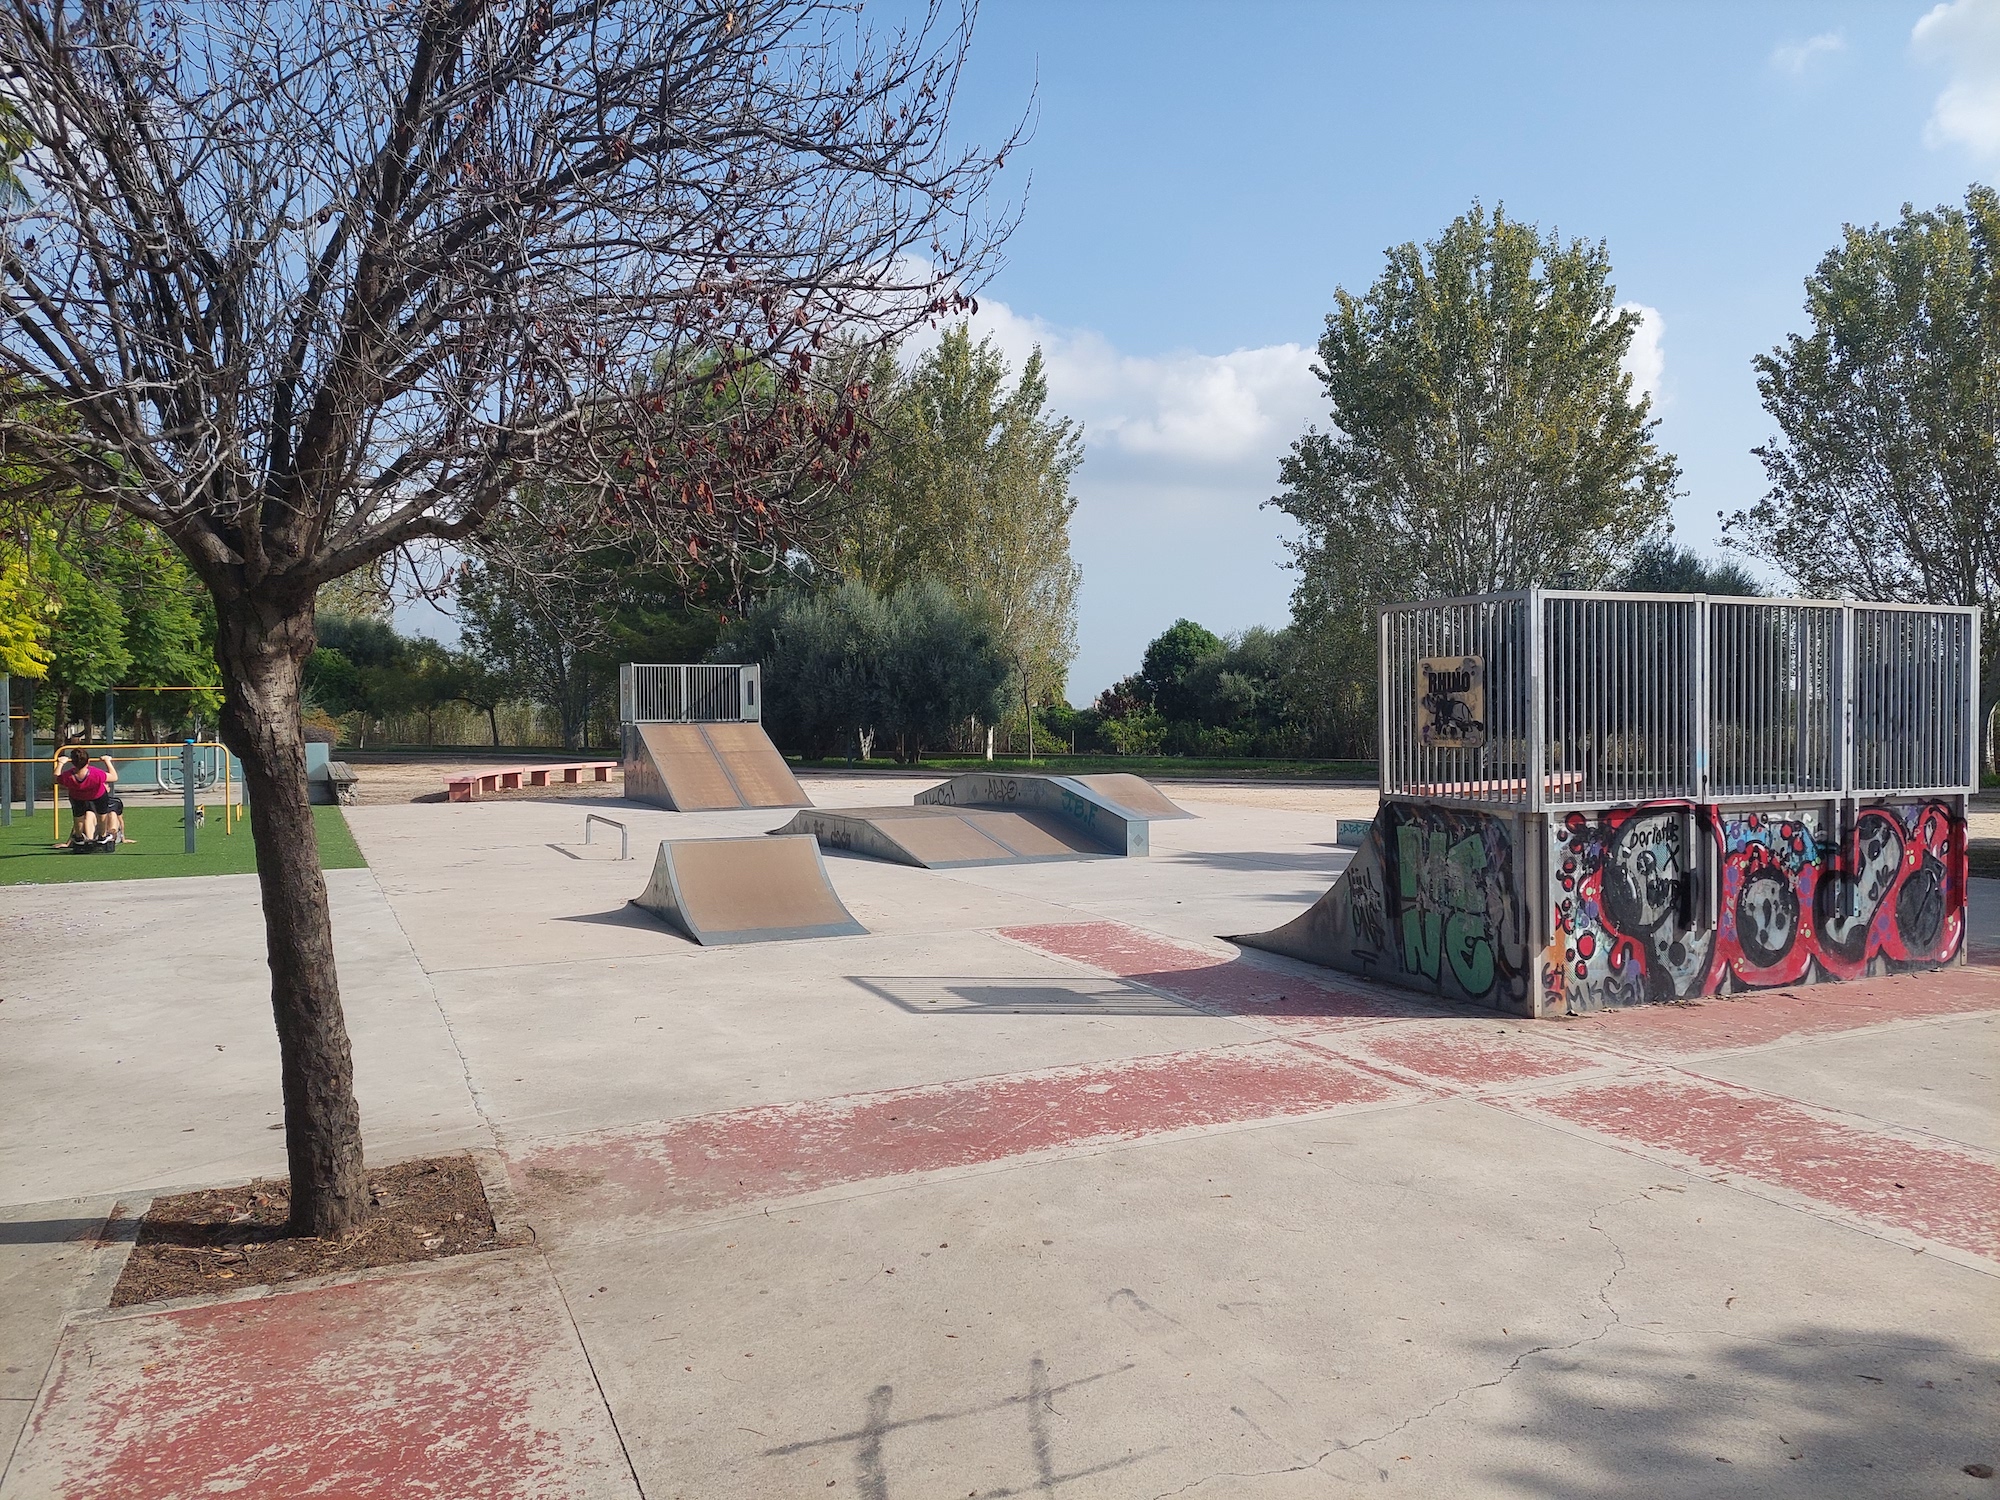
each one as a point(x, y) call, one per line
point(822, 658)
point(1661, 567)
point(24, 619)
point(1169, 665)
point(541, 615)
point(169, 632)
point(87, 644)
point(968, 482)
point(942, 664)
point(1485, 434)
point(1885, 471)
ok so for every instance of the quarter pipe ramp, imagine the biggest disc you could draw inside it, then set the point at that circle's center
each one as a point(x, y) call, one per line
point(707, 768)
point(747, 890)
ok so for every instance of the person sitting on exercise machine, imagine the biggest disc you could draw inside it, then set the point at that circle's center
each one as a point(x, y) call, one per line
point(98, 812)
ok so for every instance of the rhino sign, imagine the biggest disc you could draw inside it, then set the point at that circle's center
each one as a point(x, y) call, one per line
point(1451, 702)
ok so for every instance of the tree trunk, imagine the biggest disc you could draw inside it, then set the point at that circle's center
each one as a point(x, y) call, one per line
point(261, 655)
point(493, 723)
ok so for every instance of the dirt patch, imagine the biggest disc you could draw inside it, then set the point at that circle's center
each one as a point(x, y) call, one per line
point(223, 1239)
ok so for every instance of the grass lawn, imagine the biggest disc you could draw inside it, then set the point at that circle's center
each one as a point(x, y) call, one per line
point(1153, 767)
point(156, 849)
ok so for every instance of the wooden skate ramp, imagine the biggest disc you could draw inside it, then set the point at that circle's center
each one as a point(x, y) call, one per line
point(749, 890)
point(943, 838)
point(1135, 793)
point(709, 768)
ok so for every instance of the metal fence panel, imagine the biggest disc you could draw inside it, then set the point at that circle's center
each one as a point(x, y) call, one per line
point(1457, 697)
point(1559, 698)
point(1774, 698)
point(666, 693)
point(1915, 680)
point(1623, 717)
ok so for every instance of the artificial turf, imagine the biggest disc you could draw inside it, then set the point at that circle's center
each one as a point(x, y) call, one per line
point(156, 850)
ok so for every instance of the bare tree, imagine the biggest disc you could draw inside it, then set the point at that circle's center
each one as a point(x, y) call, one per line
point(309, 285)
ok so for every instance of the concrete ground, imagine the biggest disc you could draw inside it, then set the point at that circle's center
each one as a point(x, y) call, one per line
point(1039, 1188)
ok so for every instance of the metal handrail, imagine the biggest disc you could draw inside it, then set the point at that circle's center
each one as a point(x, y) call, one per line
point(624, 834)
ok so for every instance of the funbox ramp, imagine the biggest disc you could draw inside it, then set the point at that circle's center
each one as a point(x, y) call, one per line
point(988, 819)
point(707, 768)
point(944, 838)
point(746, 890)
point(1114, 811)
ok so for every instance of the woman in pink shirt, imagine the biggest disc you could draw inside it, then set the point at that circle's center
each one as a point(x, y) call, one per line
point(91, 799)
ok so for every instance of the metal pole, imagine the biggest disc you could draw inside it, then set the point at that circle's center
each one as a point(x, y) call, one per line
point(28, 745)
point(110, 714)
point(6, 750)
point(187, 795)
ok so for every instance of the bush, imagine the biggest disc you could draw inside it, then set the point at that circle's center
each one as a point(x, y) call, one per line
point(844, 666)
point(1143, 733)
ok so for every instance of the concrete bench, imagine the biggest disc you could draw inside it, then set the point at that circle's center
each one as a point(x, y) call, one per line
point(468, 786)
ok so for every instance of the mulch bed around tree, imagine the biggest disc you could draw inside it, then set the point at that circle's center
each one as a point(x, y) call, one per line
point(224, 1239)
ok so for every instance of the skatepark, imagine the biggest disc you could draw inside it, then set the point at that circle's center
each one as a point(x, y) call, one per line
point(1027, 1184)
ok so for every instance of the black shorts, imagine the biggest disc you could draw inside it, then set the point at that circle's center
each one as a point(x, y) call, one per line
point(104, 803)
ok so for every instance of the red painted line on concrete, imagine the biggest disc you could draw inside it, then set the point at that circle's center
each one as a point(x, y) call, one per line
point(746, 1155)
point(456, 1383)
point(1468, 1056)
point(1750, 1020)
point(1230, 985)
point(1934, 1191)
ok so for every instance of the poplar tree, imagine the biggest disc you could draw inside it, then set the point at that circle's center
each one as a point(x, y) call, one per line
point(968, 482)
point(1485, 434)
point(1885, 470)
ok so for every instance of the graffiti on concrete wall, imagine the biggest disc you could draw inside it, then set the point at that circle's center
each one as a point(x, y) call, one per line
point(1451, 900)
point(1796, 903)
point(1629, 907)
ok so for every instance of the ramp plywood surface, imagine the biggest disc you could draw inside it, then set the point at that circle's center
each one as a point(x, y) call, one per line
point(694, 778)
point(1135, 793)
point(711, 767)
point(1033, 834)
point(948, 841)
point(747, 890)
point(754, 764)
point(937, 838)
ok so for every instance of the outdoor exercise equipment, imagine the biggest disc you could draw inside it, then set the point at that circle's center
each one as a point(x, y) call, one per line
point(184, 768)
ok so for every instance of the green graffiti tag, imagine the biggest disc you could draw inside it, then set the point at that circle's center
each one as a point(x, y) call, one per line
point(1444, 908)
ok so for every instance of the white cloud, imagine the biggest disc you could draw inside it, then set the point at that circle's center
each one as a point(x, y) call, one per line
point(1207, 409)
point(1796, 57)
point(1645, 359)
point(1964, 38)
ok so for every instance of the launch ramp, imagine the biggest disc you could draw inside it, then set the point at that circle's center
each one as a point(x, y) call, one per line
point(748, 890)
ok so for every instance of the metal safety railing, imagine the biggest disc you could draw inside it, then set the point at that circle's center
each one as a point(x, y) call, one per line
point(1550, 698)
point(702, 693)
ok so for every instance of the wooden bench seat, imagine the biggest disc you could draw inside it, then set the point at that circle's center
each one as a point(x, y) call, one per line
point(467, 786)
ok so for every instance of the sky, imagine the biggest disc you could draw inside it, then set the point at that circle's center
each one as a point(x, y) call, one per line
point(1202, 177)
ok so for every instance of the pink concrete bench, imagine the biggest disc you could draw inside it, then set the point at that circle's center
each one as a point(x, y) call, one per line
point(466, 788)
